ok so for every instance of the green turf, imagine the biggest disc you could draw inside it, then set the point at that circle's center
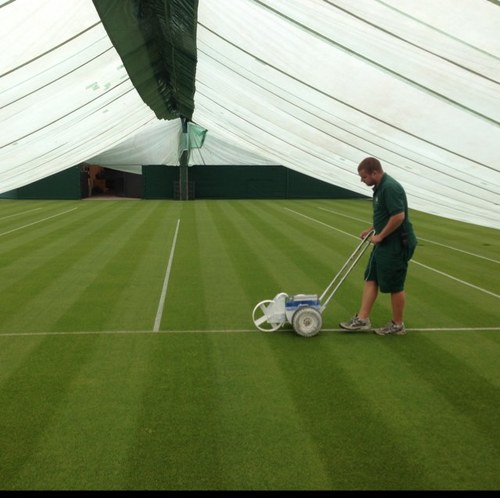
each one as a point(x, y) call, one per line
point(92, 398)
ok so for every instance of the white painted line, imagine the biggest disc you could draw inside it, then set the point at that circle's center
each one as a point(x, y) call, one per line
point(321, 223)
point(77, 332)
point(19, 214)
point(36, 222)
point(128, 332)
point(344, 215)
point(453, 329)
point(419, 238)
point(460, 250)
point(413, 261)
point(457, 279)
point(159, 313)
point(426, 329)
point(234, 331)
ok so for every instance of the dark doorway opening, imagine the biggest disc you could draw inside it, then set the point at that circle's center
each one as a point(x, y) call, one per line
point(107, 182)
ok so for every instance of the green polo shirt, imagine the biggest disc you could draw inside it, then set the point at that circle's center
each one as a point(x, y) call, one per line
point(389, 198)
point(389, 260)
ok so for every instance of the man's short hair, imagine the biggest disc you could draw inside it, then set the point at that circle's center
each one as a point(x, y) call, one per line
point(370, 164)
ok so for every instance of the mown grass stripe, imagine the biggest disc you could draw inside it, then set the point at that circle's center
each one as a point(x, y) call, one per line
point(470, 417)
point(223, 278)
point(42, 395)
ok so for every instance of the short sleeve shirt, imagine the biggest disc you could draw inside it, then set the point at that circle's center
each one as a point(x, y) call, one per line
point(389, 198)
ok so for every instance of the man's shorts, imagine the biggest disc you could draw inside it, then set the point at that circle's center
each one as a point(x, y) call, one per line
point(388, 265)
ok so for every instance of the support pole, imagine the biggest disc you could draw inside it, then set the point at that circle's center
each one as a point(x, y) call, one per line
point(183, 162)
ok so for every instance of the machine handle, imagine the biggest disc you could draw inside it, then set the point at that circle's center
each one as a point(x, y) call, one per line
point(352, 260)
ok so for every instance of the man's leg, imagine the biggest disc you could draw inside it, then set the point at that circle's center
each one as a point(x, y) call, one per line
point(361, 321)
point(370, 293)
point(398, 305)
point(396, 325)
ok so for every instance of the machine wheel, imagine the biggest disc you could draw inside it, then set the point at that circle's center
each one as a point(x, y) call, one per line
point(307, 321)
point(260, 318)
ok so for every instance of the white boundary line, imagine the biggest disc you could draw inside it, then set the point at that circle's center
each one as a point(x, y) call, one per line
point(413, 261)
point(19, 214)
point(458, 280)
point(159, 312)
point(324, 224)
point(234, 331)
point(415, 329)
point(36, 222)
point(420, 238)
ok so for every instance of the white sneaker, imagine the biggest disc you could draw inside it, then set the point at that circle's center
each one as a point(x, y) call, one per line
point(356, 323)
point(391, 329)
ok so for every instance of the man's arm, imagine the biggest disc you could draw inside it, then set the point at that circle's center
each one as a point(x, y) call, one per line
point(395, 221)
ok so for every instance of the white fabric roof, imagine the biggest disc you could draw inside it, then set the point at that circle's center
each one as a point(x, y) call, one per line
point(310, 84)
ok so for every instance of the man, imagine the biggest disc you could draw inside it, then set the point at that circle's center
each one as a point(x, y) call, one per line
point(394, 243)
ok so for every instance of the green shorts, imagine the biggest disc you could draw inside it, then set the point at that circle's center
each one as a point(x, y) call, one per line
point(388, 265)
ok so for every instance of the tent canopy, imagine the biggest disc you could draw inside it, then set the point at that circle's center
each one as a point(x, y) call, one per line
point(314, 85)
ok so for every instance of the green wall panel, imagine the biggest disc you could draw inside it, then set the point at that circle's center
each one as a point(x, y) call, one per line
point(158, 181)
point(64, 185)
point(238, 182)
point(205, 182)
point(300, 186)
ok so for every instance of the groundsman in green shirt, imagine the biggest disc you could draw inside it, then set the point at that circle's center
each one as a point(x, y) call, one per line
point(394, 243)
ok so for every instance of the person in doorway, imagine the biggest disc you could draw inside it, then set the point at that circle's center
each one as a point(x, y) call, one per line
point(394, 243)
